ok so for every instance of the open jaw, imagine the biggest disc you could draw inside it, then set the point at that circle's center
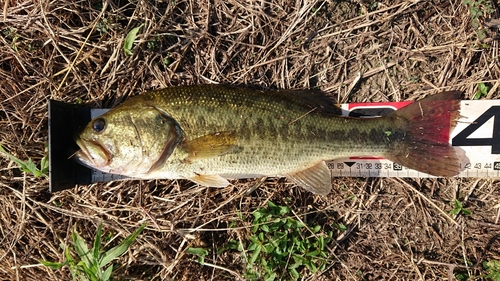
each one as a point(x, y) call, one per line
point(92, 154)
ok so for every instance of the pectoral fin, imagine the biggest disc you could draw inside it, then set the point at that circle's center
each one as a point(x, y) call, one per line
point(316, 179)
point(210, 180)
point(209, 146)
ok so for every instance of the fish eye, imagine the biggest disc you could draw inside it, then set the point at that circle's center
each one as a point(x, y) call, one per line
point(98, 125)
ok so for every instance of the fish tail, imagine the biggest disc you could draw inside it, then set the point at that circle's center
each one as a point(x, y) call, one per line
point(425, 144)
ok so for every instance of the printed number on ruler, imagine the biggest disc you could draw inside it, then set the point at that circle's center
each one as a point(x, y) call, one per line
point(477, 133)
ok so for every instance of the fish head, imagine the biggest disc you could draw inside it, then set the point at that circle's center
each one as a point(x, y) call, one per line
point(131, 140)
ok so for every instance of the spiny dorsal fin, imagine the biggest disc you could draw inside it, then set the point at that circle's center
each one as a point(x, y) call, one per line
point(209, 146)
point(316, 179)
point(310, 99)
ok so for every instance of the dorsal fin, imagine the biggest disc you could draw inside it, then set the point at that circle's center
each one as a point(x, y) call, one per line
point(311, 99)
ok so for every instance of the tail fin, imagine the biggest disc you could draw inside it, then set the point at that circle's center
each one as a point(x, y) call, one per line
point(425, 146)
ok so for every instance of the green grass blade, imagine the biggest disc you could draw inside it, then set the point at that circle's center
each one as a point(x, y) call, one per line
point(27, 167)
point(44, 163)
point(52, 265)
point(119, 249)
point(106, 275)
point(129, 40)
point(97, 242)
point(12, 157)
point(69, 258)
point(83, 252)
point(86, 273)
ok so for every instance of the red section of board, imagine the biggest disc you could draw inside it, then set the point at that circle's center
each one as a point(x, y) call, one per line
point(395, 105)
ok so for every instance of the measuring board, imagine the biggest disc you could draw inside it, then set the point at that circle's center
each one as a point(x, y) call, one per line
point(477, 133)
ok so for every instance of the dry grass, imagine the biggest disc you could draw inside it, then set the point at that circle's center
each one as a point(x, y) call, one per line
point(72, 51)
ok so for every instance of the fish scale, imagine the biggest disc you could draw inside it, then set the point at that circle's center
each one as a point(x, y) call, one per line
point(262, 132)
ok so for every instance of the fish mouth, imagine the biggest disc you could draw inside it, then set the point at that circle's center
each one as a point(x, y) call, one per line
point(92, 154)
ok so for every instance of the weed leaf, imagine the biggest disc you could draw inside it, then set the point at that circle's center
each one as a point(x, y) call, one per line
point(271, 277)
point(197, 251)
point(28, 166)
point(493, 266)
point(97, 242)
point(52, 265)
point(129, 40)
point(482, 91)
point(106, 275)
point(82, 250)
point(255, 254)
point(119, 249)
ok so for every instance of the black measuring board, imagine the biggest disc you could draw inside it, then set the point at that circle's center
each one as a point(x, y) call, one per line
point(65, 121)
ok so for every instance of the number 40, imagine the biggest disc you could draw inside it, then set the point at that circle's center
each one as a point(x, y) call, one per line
point(462, 140)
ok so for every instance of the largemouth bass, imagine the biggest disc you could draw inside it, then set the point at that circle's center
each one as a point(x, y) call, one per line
point(211, 133)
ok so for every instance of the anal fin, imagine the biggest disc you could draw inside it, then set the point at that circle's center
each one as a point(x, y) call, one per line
point(210, 180)
point(316, 179)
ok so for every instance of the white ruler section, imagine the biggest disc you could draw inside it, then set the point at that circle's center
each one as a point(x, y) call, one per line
point(477, 133)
